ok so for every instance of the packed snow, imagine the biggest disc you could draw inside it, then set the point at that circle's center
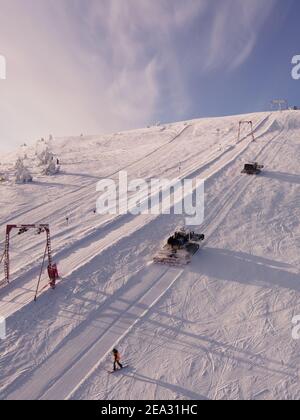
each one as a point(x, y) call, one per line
point(219, 328)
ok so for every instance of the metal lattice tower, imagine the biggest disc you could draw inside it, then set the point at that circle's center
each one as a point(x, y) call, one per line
point(248, 123)
point(279, 104)
point(23, 229)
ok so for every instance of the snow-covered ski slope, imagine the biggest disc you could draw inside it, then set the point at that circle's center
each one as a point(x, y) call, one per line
point(219, 328)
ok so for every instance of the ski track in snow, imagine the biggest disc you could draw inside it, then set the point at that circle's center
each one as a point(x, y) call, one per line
point(91, 235)
point(74, 366)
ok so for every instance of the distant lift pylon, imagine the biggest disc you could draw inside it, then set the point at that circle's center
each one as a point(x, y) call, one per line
point(52, 268)
point(249, 123)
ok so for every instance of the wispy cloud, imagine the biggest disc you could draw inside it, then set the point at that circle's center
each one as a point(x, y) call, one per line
point(136, 43)
point(235, 31)
point(103, 65)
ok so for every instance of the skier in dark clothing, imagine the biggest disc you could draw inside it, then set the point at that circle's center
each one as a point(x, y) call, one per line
point(117, 360)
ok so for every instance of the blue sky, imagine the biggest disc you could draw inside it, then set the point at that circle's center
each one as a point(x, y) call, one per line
point(97, 66)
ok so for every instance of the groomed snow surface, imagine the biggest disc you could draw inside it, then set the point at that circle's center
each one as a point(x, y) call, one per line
point(220, 328)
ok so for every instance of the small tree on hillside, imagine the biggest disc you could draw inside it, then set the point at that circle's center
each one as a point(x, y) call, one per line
point(52, 168)
point(44, 157)
point(23, 176)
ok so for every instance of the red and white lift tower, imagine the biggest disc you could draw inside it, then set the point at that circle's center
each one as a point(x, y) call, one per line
point(248, 123)
point(52, 267)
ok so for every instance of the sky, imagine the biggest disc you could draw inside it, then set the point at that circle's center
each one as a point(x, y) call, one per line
point(100, 66)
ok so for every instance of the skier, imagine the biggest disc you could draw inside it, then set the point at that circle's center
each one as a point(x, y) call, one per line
point(117, 359)
point(53, 275)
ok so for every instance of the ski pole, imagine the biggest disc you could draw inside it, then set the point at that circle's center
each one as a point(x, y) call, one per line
point(38, 285)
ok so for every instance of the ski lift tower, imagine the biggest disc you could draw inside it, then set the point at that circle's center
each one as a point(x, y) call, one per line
point(22, 229)
point(279, 104)
point(248, 123)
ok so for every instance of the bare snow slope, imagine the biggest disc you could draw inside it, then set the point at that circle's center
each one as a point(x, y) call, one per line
point(220, 328)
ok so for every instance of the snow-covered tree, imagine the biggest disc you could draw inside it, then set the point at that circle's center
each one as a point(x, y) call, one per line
point(19, 163)
point(3, 177)
point(23, 175)
point(52, 168)
point(44, 157)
